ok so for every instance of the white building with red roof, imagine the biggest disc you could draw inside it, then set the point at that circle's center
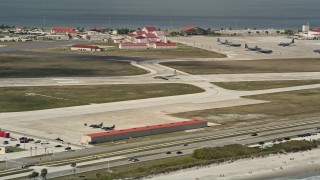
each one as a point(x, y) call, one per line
point(314, 32)
point(64, 30)
point(80, 47)
point(149, 29)
point(161, 35)
point(142, 131)
point(151, 37)
point(21, 29)
point(139, 33)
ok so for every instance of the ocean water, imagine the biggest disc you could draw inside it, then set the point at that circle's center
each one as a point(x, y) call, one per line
point(161, 13)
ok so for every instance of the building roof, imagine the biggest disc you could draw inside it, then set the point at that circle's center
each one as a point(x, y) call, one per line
point(107, 133)
point(64, 29)
point(133, 44)
point(131, 35)
point(98, 29)
point(315, 29)
point(165, 44)
point(189, 28)
point(150, 35)
point(151, 28)
point(139, 33)
point(140, 37)
point(85, 46)
point(21, 27)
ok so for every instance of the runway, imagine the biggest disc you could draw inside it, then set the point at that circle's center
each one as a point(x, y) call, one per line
point(62, 122)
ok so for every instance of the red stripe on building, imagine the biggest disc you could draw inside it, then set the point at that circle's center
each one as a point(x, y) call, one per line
point(145, 128)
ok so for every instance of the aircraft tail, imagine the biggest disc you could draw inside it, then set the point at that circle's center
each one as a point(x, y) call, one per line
point(292, 41)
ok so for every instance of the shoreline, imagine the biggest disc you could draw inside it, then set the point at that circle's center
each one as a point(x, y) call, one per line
point(297, 165)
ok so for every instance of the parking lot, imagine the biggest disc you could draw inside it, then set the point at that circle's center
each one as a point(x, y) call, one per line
point(29, 146)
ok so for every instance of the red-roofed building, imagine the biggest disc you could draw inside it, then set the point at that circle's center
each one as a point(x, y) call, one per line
point(142, 131)
point(20, 29)
point(132, 35)
point(63, 30)
point(140, 39)
point(189, 28)
point(161, 35)
point(79, 47)
point(133, 46)
point(314, 33)
point(149, 29)
point(193, 30)
point(161, 45)
point(139, 33)
point(98, 29)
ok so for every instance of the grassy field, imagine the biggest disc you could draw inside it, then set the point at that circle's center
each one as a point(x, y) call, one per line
point(258, 85)
point(182, 51)
point(17, 66)
point(249, 66)
point(282, 106)
point(35, 98)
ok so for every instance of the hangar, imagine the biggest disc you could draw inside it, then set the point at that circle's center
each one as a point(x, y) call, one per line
point(142, 131)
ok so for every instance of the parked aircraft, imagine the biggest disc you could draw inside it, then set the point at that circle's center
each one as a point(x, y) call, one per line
point(224, 43)
point(165, 76)
point(317, 51)
point(266, 51)
point(228, 43)
point(252, 49)
point(109, 128)
point(283, 44)
point(96, 125)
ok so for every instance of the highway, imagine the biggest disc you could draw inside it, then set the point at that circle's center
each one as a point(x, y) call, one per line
point(156, 151)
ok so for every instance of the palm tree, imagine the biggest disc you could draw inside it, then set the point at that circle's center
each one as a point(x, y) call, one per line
point(36, 174)
point(98, 175)
point(74, 165)
point(44, 173)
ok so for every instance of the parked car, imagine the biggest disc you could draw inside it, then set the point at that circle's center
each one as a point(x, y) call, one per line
point(44, 142)
point(23, 138)
point(17, 145)
point(13, 139)
point(59, 139)
point(185, 144)
point(67, 148)
point(5, 142)
point(37, 141)
point(168, 152)
point(57, 146)
point(24, 141)
point(179, 152)
point(254, 134)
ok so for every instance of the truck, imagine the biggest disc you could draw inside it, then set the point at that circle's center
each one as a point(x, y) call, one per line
point(4, 134)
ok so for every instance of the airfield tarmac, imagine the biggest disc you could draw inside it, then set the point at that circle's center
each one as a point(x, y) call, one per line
point(68, 122)
point(300, 49)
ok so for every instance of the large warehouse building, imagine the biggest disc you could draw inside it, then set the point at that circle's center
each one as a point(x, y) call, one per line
point(142, 131)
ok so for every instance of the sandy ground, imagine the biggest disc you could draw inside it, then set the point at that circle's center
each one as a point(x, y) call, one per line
point(286, 166)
